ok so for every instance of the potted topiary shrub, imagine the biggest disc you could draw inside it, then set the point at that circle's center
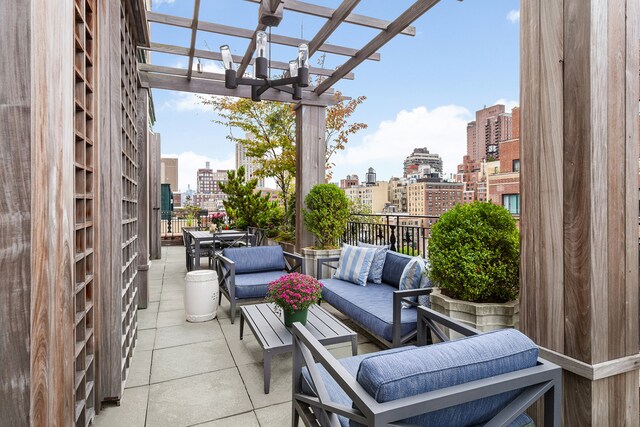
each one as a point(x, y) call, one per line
point(474, 257)
point(326, 217)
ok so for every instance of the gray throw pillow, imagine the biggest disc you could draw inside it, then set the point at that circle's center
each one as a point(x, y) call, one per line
point(375, 273)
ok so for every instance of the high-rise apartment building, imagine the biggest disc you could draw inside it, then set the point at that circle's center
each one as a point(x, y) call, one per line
point(398, 194)
point(492, 126)
point(373, 197)
point(250, 164)
point(421, 156)
point(205, 180)
point(169, 172)
point(433, 198)
point(503, 183)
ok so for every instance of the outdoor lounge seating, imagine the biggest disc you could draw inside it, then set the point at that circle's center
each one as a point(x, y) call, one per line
point(484, 379)
point(376, 307)
point(244, 274)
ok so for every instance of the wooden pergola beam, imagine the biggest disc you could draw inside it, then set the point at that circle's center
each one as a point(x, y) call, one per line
point(194, 33)
point(332, 24)
point(227, 30)
point(416, 10)
point(205, 75)
point(183, 51)
point(327, 12)
point(212, 87)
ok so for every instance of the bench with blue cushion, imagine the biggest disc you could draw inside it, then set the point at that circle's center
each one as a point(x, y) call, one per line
point(244, 274)
point(376, 308)
point(485, 378)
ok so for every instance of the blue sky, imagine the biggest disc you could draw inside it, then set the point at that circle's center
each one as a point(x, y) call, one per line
point(421, 94)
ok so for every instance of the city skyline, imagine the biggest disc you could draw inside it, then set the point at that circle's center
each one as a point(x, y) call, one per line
point(431, 111)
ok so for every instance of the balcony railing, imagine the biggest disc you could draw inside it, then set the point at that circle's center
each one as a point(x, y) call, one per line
point(407, 234)
point(171, 224)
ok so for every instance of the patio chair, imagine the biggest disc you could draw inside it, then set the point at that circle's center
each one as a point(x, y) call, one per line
point(190, 249)
point(244, 274)
point(487, 379)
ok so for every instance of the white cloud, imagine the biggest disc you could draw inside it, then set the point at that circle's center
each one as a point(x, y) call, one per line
point(508, 103)
point(442, 130)
point(513, 16)
point(189, 163)
point(184, 101)
point(156, 3)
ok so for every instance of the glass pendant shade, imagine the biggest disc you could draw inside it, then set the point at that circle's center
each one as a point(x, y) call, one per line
point(261, 44)
point(293, 68)
point(303, 56)
point(227, 59)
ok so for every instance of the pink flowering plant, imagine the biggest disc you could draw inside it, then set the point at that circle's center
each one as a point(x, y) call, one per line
point(294, 292)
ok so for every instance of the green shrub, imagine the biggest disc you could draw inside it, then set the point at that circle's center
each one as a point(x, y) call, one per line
point(327, 214)
point(474, 253)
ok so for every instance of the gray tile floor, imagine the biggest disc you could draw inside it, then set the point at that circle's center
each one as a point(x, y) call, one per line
point(186, 374)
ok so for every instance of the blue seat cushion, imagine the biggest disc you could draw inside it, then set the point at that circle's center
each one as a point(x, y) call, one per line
point(371, 306)
point(394, 265)
point(352, 365)
point(388, 377)
point(337, 395)
point(255, 285)
point(256, 258)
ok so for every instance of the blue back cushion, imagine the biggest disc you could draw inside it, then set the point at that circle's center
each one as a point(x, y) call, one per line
point(354, 264)
point(256, 259)
point(375, 274)
point(388, 377)
point(393, 267)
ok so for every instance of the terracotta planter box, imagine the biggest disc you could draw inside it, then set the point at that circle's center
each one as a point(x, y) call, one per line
point(311, 257)
point(483, 317)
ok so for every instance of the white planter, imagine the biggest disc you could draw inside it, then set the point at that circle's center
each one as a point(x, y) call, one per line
point(483, 317)
point(201, 295)
point(311, 257)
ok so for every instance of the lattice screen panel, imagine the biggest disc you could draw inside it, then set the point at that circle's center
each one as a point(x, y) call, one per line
point(129, 91)
point(85, 182)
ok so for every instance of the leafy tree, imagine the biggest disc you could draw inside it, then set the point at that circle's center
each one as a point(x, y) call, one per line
point(327, 214)
point(269, 135)
point(245, 206)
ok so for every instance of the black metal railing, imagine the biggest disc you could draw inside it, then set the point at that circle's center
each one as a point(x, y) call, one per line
point(171, 223)
point(408, 234)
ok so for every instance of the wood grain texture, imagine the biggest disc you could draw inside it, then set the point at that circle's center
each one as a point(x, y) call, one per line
point(15, 205)
point(310, 163)
point(52, 150)
point(579, 265)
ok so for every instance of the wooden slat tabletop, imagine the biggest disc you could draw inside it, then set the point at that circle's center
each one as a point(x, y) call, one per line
point(269, 328)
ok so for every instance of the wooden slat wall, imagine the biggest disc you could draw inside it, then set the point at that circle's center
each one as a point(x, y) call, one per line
point(579, 90)
point(155, 249)
point(118, 190)
point(85, 182)
point(129, 177)
point(15, 211)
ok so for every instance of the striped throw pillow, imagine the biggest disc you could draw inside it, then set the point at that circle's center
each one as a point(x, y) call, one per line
point(412, 277)
point(354, 264)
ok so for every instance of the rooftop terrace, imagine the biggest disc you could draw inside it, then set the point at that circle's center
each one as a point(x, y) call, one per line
point(186, 374)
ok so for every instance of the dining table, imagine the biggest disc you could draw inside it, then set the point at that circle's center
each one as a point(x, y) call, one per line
point(226, 239)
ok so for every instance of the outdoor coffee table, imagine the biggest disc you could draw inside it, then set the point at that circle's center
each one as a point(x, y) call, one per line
point(275, 338)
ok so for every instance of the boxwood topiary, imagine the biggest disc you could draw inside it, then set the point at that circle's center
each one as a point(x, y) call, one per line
point(474, 253)
point(327, 214)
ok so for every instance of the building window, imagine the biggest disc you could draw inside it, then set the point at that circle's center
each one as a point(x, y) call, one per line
point(516, 165)
point(512, 203)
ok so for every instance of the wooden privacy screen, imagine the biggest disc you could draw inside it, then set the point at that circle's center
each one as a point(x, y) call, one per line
point(128, 99)
point(85, 183)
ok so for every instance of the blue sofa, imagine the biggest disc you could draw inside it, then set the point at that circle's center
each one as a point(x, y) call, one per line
point(377, 308)
point(244, 274)
point(484, 379)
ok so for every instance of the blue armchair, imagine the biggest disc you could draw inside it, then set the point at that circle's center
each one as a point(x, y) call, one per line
point(487, 379)
point(244, 274)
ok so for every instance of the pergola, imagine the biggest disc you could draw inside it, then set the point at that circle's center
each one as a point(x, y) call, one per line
point(78, 195)
point(310, 111)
